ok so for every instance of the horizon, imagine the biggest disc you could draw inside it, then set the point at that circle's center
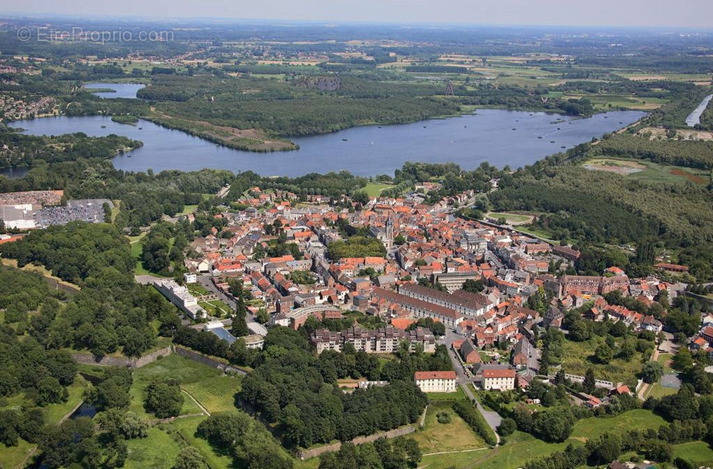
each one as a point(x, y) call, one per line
point(635, 14)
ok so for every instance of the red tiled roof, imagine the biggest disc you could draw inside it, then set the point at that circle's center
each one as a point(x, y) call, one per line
point(499, 373)
point(419, 375)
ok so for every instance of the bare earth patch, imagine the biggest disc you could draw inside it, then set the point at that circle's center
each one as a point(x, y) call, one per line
point(623, 168)
point(691, 177)
point(657, 133)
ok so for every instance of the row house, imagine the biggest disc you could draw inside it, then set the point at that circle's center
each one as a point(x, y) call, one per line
point(384, 340)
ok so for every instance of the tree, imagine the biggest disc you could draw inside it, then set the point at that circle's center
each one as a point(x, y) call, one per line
point(49, 391)
point(603, 353)
point(683, 359)
point(553, 424)
point(473, 286)
point(190, 458)
point(627, 350)
point(164, 398)
point(606, 449)
point(651, 372)
point(507, 427)
point(589, 383)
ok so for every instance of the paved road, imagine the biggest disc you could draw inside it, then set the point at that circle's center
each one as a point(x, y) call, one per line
point(465, 379)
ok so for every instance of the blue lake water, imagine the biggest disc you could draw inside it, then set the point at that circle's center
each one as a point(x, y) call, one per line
point(121, 90)
point(496, 136)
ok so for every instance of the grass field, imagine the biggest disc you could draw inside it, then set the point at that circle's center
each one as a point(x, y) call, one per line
point(188, 209)
point(216, 308)
point(522, 447)
point(511, 218)
point(13, 456)
point(158, 451)
point(453, 436)
point(205, 384)
point(697, 452)
point(373, 189)
point(436, 397)
point(576, 360)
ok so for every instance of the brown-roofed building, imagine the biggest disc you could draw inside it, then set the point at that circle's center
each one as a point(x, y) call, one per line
point(436, 381)
point(502, 379)
point(469, 353)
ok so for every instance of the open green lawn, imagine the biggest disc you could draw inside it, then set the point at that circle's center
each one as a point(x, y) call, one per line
point(697, 452)
point(373, 189)
point(665, 360)
point(522, 447)
point(437, 397)
point(158, 451)
point(453, 436)
point(201, 381)
point(184, 430)
point(13, 456)
point(511, 218)
point(188, 209)
point(216, 308)
point(659, 391)
point(593, 427)
point(576, 360)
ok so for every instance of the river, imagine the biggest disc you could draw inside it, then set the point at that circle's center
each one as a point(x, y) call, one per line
point(499, 137)
point(694, 118)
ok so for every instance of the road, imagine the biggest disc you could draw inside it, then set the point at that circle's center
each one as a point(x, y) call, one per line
point(465, 380)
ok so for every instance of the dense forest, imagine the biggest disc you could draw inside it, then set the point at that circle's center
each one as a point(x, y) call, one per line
point(22, 151)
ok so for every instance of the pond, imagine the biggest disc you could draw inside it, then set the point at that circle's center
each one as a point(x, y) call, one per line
point(499, 137)
point(121, 90)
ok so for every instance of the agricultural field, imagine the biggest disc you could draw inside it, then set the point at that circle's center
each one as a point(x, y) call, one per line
point(648, 171)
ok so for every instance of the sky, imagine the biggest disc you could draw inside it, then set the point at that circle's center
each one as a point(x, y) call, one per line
point(681, 13)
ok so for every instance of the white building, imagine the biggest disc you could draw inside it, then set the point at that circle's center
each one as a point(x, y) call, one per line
point(499, 378)
point(190, 278)
point(179, 296)
point(436, 381)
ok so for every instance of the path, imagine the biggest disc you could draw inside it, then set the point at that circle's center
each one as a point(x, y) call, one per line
point(464, 381)
point(196, 401)
point(645, 387)
point(457, 451)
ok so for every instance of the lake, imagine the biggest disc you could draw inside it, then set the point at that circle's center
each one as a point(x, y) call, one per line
point(499, 137)
point(121, 90)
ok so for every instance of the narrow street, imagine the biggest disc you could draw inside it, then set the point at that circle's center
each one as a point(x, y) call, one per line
point(465, 380)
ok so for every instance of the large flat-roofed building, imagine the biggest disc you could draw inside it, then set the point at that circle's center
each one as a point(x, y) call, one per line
point(453, 281)
point(179, 296)
point(385, 340)
point(419, 308)
point(436, 381)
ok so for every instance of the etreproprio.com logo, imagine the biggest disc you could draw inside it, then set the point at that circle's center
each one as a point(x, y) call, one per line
point(46, 34)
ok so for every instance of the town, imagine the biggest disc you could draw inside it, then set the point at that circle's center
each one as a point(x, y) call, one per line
point(488, 292)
